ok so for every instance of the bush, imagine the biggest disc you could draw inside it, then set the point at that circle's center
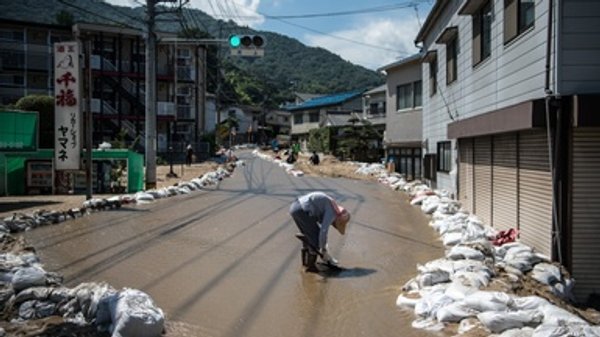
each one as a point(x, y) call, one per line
point(44, 105)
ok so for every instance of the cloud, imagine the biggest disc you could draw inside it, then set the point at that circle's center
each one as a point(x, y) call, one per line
point(396, 36)
point(242, 12)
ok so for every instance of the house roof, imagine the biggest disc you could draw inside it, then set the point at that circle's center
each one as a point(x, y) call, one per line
point(326, 100)
point(376, 90)
point(403, 61)
point(338, 118)
point(434, 14)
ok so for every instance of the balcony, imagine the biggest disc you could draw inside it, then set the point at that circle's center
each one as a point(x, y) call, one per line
point(165, 109)
point(184, 112)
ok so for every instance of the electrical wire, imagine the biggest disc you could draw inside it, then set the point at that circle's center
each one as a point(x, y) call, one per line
point(122, 24)
point(341, 13)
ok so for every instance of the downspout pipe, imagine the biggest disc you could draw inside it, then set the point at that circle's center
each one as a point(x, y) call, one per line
point(553, 141)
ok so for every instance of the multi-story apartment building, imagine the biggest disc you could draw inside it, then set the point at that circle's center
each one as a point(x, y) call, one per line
point(403, 118)
point(118, 70)
point(510, 97)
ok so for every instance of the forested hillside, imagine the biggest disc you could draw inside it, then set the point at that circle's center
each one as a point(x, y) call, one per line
point(288, 65)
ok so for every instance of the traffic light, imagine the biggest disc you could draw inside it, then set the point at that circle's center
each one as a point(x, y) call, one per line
point(247, 45)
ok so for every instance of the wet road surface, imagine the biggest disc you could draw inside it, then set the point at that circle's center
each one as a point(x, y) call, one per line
point(225, 262)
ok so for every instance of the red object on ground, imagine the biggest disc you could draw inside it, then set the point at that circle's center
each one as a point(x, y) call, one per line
point(505, 236)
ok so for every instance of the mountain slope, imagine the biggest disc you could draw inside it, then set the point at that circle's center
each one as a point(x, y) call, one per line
point(288, 65)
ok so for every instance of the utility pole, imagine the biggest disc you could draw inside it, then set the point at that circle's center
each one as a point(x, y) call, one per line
point(150, 99)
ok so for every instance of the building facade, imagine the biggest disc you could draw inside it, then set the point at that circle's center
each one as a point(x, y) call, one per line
point(316, 112)
point(118, 78)
point(403, 118)
point(510, 100)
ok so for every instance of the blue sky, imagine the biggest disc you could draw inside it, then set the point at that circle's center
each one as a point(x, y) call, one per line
point(382, 33)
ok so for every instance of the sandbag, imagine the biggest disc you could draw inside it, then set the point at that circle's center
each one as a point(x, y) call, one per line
point(28, 277)
point(489, 301)
point(134, 314)
point(455, 312)
point(498, 321)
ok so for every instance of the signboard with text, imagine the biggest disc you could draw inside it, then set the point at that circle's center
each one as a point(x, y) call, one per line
point(67, 98)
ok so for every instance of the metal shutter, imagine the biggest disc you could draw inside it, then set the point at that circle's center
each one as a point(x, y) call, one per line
point(465, 174)
point(535, 191)
point(586, 211)
point(483, 179)
point(504, 184)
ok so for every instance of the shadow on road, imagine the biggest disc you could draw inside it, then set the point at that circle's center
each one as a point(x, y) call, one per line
point(345, 272)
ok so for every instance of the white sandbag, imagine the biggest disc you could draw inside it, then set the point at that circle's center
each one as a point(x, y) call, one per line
point(529, 303)
point(430, 303)
point(28, 277)
point(142, 197)
point(522, 332)
point(475, 279)
point(429, 324)
point(457, 290)
point(546, 273)
point(573, 330)
point(432, 278)
point(461, 252)
point(489, 301)
point(498, 321)
point(455, 312)
point(452, 239)
point(430, 204)
point(134, 314)
point(554, 315)
point(403, 301)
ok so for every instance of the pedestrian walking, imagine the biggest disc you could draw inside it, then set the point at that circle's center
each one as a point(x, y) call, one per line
point(189, 153)
point(313, 214)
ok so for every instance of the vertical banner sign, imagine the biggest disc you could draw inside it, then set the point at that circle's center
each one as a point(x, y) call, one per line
point(67, 112)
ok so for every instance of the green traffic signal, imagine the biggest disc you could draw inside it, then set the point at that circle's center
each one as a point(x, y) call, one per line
point(234, 41)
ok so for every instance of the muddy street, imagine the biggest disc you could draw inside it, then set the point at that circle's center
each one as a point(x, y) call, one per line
point(225, 262)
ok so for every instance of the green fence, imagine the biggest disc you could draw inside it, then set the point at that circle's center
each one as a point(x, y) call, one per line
point(15, 168)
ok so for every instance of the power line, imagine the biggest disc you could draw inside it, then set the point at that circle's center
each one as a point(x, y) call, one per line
point(332, 14)
point(96, 14)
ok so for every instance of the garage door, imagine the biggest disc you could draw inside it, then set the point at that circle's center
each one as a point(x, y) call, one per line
point(535, 191)
point(483, 179)
point(465, 173)
point(504, 183)
point(586, 211)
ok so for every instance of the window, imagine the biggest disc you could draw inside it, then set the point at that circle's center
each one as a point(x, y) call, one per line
point(409, 95)
point(519, 16)
point(298, 118)
point(444, 156)
point(418, 89)
point(432, 77)
point(482, 33)
point(451, 56)
point(429, 164)
point(313, 117)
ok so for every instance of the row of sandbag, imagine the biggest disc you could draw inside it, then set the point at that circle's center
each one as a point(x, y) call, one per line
point(20, 222)
point(289, 168)
point(448, 290)
point(28, 292)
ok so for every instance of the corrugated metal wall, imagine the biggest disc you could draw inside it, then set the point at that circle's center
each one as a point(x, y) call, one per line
point(586, 211)
point(535, 191)
point(483, 178)
point(465, 174)
point(505, 184)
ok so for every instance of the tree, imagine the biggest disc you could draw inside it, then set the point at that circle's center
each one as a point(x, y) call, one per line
point(64, 18)
point(354, 141)
point(44, 105)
